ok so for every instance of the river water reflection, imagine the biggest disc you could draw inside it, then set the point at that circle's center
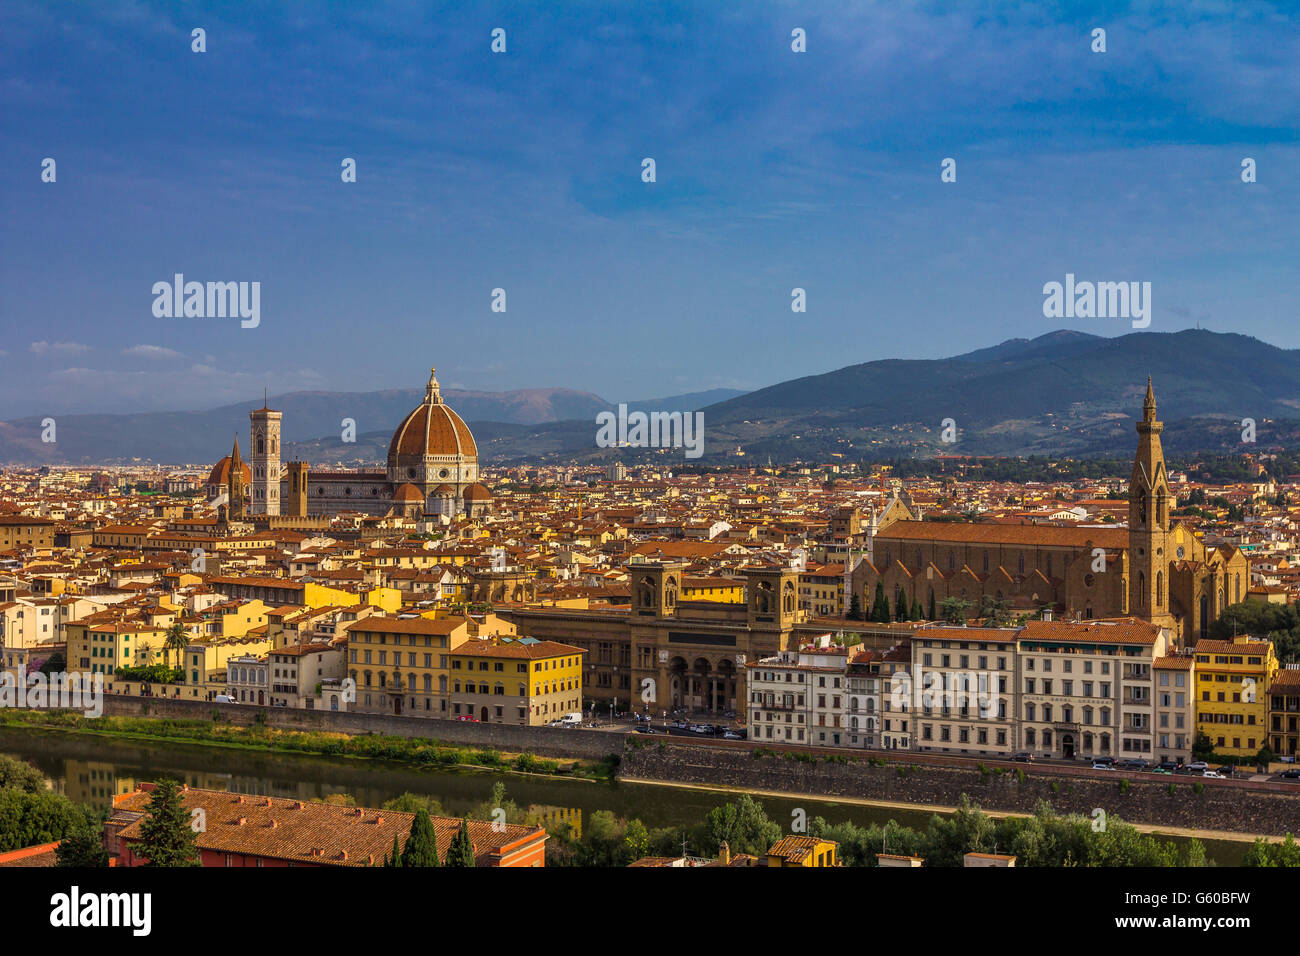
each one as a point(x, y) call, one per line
point(94, 769)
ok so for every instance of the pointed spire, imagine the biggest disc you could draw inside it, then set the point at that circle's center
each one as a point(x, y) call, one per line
point(1149, 404)
point(433, 394)
point(234, 454)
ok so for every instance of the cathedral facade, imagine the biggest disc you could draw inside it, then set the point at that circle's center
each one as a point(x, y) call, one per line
point(431, 471)
point(1155, 569)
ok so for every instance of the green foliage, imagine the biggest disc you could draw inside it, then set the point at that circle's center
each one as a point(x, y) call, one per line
point(83, 846)
point(743, 825)
point(1279, 623)
point(150, 674)
point(461, 851)
point(54, 664)
point(166, 835)
point(18, 774)
point(1264, 853)
point(422, 844)
point(31, 819)
point(953, 610)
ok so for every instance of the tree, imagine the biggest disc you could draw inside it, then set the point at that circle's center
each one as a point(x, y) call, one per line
point(176, 641)
point(461, 851)
point(18, 774)
point(166, 837)
point(394, 857)
point(880, 607)
point(637, 838)
point(933, 615)
point(917, 614)
point(422, 845)
point(84, 846)
point(744, 825)
point(900, 605)
point(953, 610)
point(855, 607)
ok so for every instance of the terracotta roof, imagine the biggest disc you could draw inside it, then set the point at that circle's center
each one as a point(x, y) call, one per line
point(514, 649)
point(319, 833)
point(1023, 534)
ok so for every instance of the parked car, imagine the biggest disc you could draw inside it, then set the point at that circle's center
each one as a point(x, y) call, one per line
point(733, 735)
point(1167, 766)
point(1108, 761)
point(1227, 770)
point(1198, 766)
point(1292, 774)
point(1212, 773)
point(468, 718)
point(1132, 763)
point(1102, 766)
point(1023, 756)
point(647, 729)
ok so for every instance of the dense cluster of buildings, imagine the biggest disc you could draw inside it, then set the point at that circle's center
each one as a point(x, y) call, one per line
point(416, 591)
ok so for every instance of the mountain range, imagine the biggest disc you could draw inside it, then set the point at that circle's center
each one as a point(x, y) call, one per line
point(1062, 393)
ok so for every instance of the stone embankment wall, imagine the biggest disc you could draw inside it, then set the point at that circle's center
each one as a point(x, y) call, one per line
point(544, 741)
point(1136, 798)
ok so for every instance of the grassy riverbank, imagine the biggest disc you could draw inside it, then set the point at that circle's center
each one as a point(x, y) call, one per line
point(416, 751)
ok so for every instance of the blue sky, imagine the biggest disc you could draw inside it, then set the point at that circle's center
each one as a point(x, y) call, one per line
point(522, 171)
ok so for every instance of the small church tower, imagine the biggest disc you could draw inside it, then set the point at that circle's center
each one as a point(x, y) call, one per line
point(1149, 503)
point(235, 485)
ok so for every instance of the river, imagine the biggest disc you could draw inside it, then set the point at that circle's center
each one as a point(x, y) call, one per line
point(93, 769)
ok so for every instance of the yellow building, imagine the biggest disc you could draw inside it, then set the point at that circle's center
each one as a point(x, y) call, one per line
point(102, 648)
point(400, 665)
point(722, 590)
point(504, 680)
point(1232, 684)
point(803, 851)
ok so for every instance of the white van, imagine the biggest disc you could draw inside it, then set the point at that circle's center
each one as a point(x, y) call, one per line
point(570, 720)
point(223, 699)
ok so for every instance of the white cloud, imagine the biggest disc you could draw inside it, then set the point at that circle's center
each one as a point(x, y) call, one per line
point(152, 352)
point(43, 347)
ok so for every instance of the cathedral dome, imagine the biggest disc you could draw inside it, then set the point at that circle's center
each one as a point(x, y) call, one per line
point(220, 473)
point(477, 492)
point(407, 492)
point(431, 429)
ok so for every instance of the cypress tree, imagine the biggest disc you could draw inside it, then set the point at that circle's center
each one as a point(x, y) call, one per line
point(855, 607)
point(933, 615)
point(917, 613)
point(900, 605)
point(422, 844)
point(394, 857)
point(166, 836)
point(880, 607)
point(461, 851)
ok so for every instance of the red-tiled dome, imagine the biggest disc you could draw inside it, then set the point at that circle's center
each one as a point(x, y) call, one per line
point(432, 428)
point(442, 490)
point(220, 473)
point(407, 492)
point(477, 492)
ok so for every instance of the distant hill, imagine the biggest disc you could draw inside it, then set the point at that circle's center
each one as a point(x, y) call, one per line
point(1061, 393)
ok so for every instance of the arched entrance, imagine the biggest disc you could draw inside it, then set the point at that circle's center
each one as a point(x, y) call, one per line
point(677, 682)
point(1067, 746)
point(397, 706)
point(482, 715)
